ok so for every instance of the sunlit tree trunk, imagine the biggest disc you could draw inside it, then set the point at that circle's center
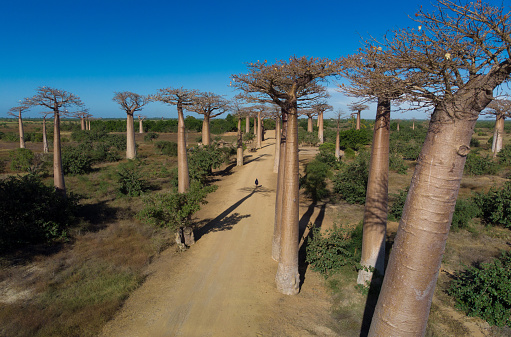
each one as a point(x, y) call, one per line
point(288, 277)
point(88, 122)
point(82, 123)
point(397, 127)
point(259, 130)
point(413, 125)
point(130, 138)
point(320, 127)
point(45, 137)
point(375, 213)
point(183, 177)
point(206, 137)
point(309, 124)
point(337, 143)
point(405, 299)
point(279, 195)
point(255, 126)
point(498, 134)
point(22, 133)
point(239, 153)
point(140, 127)
point(58, 172)
point(358, 121)
point(277, 145)
point(247, 124)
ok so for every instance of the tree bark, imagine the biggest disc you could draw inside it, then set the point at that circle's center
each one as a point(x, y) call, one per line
point(405, 299)
point(45, 137)
point(279, 195)
point(206, 137)
point(255, 126)
point(131, 152)
point(58, 172)
point(337, 143)
point(259, 130)
point(288, 277)
point(140, 127)
point(247, 124)
point(498, 134)
point(21, 131)
point(277, 146)
point(375, 212)
point(183, 177)
point(358, 121)
point(82, 123)
point(239, 154)
point(320, 127)
point(309, 124)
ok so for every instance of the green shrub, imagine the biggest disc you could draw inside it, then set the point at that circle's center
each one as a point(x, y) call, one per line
point(327, 148)
point(495, 205)
point(130, 181)
point(76, 159)
point(474, 142)
point(397, 164)
point(396, 209)
point(478, 165)
point(166, 148)
point(247, 136)
point(351, 182)
point(10, 137)
point(485, 291)
point(314, 180)
point(328, 252)
point(202, 160)
point(31, 212)
point(148, 137)
point(354, 139)
point(21, 160)
point(172, 209)
point(504, 155)
point(349, 153)
point(308, 138)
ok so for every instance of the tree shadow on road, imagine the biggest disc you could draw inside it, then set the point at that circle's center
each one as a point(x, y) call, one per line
point(256, 158)
point(223, 221)
point(306, 235)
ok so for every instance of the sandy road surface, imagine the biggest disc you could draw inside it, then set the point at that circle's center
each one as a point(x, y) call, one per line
point(224, 285)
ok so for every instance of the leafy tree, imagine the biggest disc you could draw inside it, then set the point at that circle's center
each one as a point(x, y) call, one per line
point(495, 205)
point(351, 182)
point(21, 159)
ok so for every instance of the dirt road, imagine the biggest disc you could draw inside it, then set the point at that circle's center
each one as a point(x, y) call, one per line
point(224, 284)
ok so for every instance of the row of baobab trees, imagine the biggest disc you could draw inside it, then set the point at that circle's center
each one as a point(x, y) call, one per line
point(452, 62)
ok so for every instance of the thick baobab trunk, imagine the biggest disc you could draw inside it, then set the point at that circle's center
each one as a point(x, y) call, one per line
point(320, 127)
point(413, 125)
point(88, 125)
point(255, 126)
point(131, 151)
point(206, 137)
point(247, 124)
point(405, 299)
point(288, 277)
point(498, 134)
point(45, 137)
point(140, 127)
point(259, 130)
point(337, 143)
point(82, 123)
point(358, 121)
point(277, 146)
point(375, 213)
point(280, 190)
point(239, 153)
point(397, 127)
point(22, 133)
point(183, 177)
point(58, 172)
point(309, 124)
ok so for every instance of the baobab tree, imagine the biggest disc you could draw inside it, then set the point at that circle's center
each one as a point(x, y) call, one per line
point(181, 98)
point(261, 110)
point(209, 105)
point(320, 108)
point(310, 115)
point(131, 103)
point(285, 83)
point(46, 148)
point(83, 115)
point(140, 123)
point(339, 114)
point(58, 101)
point(501, 108)
point(239, 111)
point(357, 109)
point(16, 112)
point(461, 54)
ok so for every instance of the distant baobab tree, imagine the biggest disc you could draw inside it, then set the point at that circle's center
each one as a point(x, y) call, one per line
point(320, 108)
point(58, 101)
point(357, 108)
point(285, 83)
point(501, 108)
point(82, 114)
point(46, 148)
point(339, 114)
point(140, 125)
point(131, 103)
point(16, 112)
point(209, 105)
point(181, 98)
point(239, 111)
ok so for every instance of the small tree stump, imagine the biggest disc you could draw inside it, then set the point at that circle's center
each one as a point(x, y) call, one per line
point(188, 235)
point(180, 239)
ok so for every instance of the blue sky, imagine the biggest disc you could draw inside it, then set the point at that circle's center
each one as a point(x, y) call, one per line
point(94, 48)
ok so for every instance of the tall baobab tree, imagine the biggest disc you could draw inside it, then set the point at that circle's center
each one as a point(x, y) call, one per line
point(261, 110)
point(320, 108)
point(58, 101)
point(131, 103)
point(140, 123)
point(461, 54)
point(16, 112)
point(285, 83)
point(181, 98)
point(357, 109)
point(275, 113)
point(209, 105)
point(501, 108)
point(46, 148)
point(83, 115)
point(339, 113)
point(310, 115)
